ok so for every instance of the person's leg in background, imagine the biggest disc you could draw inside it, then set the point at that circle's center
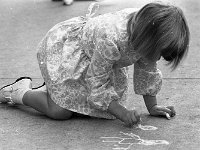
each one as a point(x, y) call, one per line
point(66, 2)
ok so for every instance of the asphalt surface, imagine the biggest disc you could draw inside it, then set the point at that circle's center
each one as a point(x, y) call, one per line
point(23, 23)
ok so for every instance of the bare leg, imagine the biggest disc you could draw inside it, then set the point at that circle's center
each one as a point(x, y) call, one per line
point(41, 101)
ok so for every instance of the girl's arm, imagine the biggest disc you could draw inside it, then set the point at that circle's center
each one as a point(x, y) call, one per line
point(150, 101)
point(147, 82)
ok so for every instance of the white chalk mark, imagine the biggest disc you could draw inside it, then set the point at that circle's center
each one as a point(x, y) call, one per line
point(168, 116)
point(137, 137)
point(146, 127)
point(125, 143)
point(153, 142)
point(113, 139)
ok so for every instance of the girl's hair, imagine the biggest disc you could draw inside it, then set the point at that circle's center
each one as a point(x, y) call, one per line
point(159, 30)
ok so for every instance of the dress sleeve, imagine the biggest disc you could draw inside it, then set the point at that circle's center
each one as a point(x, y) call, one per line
point(98, 74)
point(147, 78)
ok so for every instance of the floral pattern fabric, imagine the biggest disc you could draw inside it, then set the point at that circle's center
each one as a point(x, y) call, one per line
point(84, 62)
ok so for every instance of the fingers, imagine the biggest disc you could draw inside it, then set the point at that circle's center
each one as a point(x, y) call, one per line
point(133, 118)
point(169, 110)
point(162, 113)
point(137, 116)
point(130, 121)
point(164, 109)
point(173, 112)
point(167, 116)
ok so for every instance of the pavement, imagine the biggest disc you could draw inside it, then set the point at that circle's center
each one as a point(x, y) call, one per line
point(22, 25)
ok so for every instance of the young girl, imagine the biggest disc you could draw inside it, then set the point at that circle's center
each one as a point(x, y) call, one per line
point(84, 63)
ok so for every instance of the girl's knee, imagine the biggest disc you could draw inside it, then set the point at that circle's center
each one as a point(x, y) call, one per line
point(57, 112)
point(60, 114)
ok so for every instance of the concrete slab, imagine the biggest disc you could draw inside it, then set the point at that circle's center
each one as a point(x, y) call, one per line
point(24, 128)
point(24, 23)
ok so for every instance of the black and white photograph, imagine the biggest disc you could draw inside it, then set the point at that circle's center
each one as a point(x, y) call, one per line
point(99, 75)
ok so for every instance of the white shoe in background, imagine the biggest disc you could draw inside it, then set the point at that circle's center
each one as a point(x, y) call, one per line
point(68, 2)
point(109, 2)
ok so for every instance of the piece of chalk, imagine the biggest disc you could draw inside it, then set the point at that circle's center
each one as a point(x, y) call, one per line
point(168, 116)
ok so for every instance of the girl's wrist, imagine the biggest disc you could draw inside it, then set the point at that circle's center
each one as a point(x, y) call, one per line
point(117, 110)
point(150, 101)
point(149, 109)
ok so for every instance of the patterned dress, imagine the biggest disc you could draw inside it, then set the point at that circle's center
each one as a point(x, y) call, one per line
point(84, 62)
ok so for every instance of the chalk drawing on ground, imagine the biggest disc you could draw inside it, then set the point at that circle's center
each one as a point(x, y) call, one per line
point(126, 140)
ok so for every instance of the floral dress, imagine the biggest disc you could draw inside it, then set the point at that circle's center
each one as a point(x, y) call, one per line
point(84, 62)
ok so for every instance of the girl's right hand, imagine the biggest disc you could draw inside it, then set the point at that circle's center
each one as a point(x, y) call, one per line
point(131, 118)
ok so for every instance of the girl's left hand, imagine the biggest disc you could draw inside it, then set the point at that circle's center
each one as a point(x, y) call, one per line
point(162, 111)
